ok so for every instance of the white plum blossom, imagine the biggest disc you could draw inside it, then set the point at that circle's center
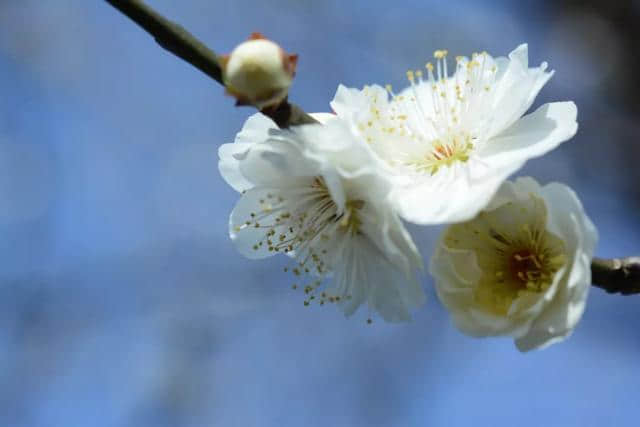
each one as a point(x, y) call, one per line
point(521, 267)
point(315, 193)
point(450, 141)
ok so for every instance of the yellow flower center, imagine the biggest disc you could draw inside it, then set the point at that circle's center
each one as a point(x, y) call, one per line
point(443, 152)
point(518, 256)
point(438, 121)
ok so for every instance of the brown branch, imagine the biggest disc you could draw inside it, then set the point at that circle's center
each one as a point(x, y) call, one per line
point(184, 45)
point(617, 275)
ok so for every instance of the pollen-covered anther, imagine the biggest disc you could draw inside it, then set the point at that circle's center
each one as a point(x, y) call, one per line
point(446, 152)
point(410, 76)
point(440, 54)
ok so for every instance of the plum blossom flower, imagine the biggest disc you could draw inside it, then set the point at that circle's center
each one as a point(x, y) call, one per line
point(521, 267)
point(314, 193)
point(450, 141)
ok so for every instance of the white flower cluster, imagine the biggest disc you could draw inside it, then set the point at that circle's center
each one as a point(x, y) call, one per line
point(516, 258)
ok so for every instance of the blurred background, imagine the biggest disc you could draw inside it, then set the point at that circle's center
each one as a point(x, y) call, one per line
point(122, 300)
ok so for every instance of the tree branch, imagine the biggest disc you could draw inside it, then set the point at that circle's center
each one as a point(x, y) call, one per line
point(613, 275)
point(184, 45)
point(617, 275)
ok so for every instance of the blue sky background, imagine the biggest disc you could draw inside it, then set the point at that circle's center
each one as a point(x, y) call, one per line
point(123, 302)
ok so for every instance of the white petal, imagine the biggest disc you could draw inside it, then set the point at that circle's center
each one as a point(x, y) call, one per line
point(349, 277)
point(229, 167)
point(277, 163)
point(566, 219)
point(561, 315)
point(346, 100)
point(519, 189)
point(255, 130)
point(516, 89)
point(363, 274)
point(247, 237)
point(391, 294)
point(335, 186)
point(388, 234)
point(452, 196)
point(349, 102)
point(533, 135)
point(565, 209)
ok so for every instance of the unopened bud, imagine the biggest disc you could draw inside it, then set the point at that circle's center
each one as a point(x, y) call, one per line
point(258, 72)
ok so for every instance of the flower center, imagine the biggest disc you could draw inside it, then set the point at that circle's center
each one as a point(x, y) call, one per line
point(439, 119)
point(453, 148)
point(526, 267)
point(527, 261)
point(514, 250)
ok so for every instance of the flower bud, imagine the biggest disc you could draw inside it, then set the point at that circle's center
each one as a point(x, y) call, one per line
point(258, 72)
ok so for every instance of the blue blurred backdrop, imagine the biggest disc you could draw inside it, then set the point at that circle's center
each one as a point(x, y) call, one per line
point(122, 300)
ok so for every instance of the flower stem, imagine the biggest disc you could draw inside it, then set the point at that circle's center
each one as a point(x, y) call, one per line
point(183, 44)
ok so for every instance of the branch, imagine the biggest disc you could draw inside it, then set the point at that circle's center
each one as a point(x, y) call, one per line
point(617, 275)
point(613, 275)
point(184, 45)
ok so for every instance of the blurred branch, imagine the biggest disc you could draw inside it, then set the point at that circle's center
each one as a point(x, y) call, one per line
point(180, 42)
point(617, 275)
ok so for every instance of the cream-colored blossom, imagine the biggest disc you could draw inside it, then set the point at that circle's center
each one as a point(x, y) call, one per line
point(521, 267)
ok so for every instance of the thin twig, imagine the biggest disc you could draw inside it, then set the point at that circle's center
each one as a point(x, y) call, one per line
point(171, 36)
point(183, 44)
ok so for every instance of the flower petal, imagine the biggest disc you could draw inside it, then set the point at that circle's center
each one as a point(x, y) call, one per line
point(229, 167)
point(255, 130)
point(246, 236)
point(516, 89)
point(277, 163)
point(391, 293)
point(350, 102)
point(566, 219)
point(533, 135)
point(561, 315)
point(450, 196)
